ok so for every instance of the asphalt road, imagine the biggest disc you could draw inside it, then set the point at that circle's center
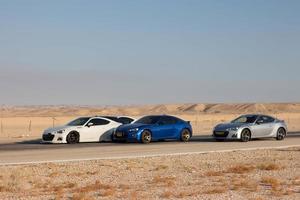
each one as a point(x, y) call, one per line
point(35, 152)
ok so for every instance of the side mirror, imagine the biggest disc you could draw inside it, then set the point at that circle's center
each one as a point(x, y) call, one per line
point(259, 122)
point(90, 124)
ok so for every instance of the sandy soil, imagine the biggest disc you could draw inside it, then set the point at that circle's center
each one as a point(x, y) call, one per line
point(17, 122)
point(263, 174)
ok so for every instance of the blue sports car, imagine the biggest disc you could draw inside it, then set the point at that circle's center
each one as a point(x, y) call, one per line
point(154, 127)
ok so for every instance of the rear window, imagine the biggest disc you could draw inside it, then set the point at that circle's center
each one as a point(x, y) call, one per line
point(125, 120)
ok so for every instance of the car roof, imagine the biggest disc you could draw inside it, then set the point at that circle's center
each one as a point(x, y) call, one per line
point(163, 115)
point(96, 117)
point(258, 115)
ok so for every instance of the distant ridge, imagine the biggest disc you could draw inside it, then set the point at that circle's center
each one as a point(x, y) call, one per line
point(198, 108)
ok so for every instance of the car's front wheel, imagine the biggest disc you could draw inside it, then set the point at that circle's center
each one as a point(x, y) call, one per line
point(72, 138)
point(185, 135)
point(245, 135)
point(281, 133)
point(146, 137)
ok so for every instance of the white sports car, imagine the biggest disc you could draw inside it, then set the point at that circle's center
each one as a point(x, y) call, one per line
point(85, 129)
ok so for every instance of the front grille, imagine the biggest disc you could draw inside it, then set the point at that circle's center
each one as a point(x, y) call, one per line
point(48, 137)
point(119, 134)
point(221, 133)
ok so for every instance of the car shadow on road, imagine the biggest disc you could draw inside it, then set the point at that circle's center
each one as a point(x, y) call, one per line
point(34, 141)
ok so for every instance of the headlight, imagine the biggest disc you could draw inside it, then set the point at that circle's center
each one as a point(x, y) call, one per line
point(233, 129)
point(133, 130)
point(60, 131)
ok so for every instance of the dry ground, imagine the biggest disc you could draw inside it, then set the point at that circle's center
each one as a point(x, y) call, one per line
point(32, 120)
point(263, 174)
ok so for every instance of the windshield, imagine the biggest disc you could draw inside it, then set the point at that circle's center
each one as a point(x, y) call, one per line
point(78, 122)
point(245, 119)
point(148, 120)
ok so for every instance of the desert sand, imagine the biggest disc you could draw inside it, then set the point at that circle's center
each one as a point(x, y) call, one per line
point(30, 121)
point(255, 175)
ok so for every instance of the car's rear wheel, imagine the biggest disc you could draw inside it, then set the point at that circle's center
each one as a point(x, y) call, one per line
point(185, 135)
point(72, 138)
point(245, 135)
point(281, 133)
point(146, 137)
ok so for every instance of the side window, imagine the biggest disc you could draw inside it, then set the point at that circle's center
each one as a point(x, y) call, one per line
point(269, 119)
point(265, 119)
point(125, 120)
point(172, 120)
point(99, 122)
point(167, 121)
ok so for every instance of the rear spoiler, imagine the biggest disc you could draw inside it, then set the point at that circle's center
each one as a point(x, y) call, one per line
point(189, 122)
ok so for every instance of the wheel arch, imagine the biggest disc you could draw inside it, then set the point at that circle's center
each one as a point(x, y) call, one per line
point(285, 130)
point(247, 128)
point(186, 128)
point(141, 132)
point(147, 129)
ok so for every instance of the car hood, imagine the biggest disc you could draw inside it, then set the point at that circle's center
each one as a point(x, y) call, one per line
point(131, 126)
point(57, 128)
point(229, 125)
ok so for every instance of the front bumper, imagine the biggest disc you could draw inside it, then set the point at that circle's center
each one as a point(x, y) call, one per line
point(53, 138)
point(225, 134)
point(124, 136)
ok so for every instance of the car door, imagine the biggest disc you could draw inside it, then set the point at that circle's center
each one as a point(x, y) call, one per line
point(166, 127)
point(263, 127)
point(95, 128)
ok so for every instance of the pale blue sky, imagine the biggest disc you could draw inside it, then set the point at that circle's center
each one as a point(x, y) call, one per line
point(148, 52)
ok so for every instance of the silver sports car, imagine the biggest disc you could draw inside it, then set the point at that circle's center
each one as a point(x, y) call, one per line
point(246, 127)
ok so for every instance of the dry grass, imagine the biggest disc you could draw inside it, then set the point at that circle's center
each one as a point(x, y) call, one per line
point(133, 195)
point(240, 169)
point(269, 166)
point(296, 181)
point(213, 173)
point(167, 194)
point(124, 187)
point(161, 167)
point(108, 192)
point(97, 186)
point(165, 181)
point(270, 181)
point(82, 196)
point(216, 190)
point(244, 184)
point(184, 194)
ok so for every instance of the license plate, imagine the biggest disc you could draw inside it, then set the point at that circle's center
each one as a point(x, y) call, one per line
point(119, 134)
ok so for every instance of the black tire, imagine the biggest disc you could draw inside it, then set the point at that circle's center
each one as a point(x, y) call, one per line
point(281, 133)
point(185, 135)
point(72, 138)
point(245, 135)
point(146, 137)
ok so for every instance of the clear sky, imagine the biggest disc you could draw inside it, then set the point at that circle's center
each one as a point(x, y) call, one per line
point(148, 52)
